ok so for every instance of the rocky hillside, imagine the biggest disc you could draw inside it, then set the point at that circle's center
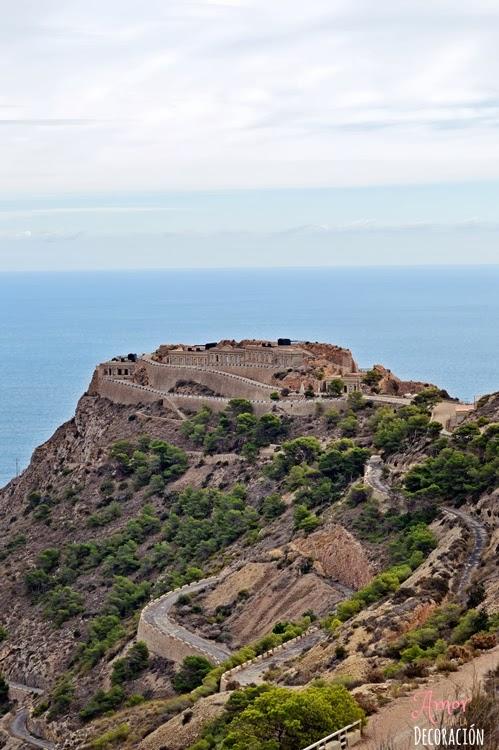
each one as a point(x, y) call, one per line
point(396, 575)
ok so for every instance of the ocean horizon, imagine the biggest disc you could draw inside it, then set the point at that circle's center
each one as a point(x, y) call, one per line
point(431, 323)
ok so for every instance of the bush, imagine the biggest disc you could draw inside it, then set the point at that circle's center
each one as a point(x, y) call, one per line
point(358, 494)
point(131, 665)
point(105, 516)
point(126, 596)
point(483, 641)
point(37, 581)
point(304, 519)
point(191, 674)
point(272, 506)
point(473, 621)
point(102, 703)
point(48, 560)
point(4, 691)
point(61, 604)
point(332, 417)
point(110, 738)
point(349, 426)
point(61, 697)
point(103, 632)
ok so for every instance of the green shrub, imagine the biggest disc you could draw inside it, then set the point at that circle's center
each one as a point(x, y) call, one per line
point(272, 506)
point(473, 621)
point(61, 697)
point(132, 665)
point(191, 674)
point(48, 560)
point(359, 493)
point(349, 426)
point(126, 596)
point(103, 517)
point(304, 519)
point(102, 703)
point(111, 738)
point(61, 604)
point(103, 632)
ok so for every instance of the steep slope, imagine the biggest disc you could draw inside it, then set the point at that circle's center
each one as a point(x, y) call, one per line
point(129, 502)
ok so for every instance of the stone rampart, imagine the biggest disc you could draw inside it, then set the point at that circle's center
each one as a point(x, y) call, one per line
point(128, 392)
point(230, 385)
point(124, 392)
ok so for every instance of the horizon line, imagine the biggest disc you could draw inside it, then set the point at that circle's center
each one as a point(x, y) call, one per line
point(248, 268)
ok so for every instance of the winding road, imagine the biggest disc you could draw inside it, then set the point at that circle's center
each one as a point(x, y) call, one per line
point(19, 725)
point(157, 613)
point(480, 538)
point(255, 671)
point(19, 729)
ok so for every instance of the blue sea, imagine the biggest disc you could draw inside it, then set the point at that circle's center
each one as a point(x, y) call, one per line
point(433, 324)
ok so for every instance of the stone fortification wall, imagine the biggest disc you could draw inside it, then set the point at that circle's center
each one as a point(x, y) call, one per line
point(123, 393)
point(128, 392)
point(231, 385)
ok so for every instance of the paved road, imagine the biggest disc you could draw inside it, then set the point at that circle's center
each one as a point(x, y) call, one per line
point(480, 538)
point(254, 672)
point(373, 476)
point(26, 688)
point(18, 727)
point(157, 613)
point(19, 730)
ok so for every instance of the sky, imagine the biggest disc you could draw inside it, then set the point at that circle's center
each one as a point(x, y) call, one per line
point(246, 132)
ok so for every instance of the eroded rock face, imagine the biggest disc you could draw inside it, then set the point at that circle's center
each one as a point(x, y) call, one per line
point(392, 385)
point(337, 555)
point(328, 354)
point(273, 594)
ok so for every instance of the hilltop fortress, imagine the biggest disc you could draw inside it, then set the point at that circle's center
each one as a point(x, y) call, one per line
point(285, 374)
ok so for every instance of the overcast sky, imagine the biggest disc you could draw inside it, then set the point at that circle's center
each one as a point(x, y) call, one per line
point(122, 119)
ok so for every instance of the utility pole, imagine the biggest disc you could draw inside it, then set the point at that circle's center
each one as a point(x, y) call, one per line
point(17, 467)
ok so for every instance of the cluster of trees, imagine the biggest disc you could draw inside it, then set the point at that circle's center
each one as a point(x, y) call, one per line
point(48, 582)
point(278, 718)
point(203, 521)
point(464, 469)
point(234, 429)
point(104, 632)
point(150, 462)
point(319, 476)
point(394, 429)
point(448, 626)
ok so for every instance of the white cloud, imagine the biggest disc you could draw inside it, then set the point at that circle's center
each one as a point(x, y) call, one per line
point(127, 95)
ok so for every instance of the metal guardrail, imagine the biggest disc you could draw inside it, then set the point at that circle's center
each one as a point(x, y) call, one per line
point(341, 736)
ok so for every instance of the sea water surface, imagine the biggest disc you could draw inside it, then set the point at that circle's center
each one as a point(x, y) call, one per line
point(433, 324)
